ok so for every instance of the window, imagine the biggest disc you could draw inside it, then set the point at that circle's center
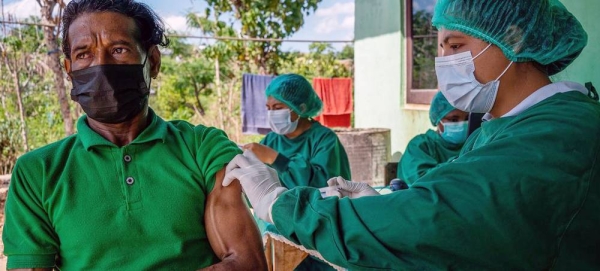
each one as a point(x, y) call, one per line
point(423, 47)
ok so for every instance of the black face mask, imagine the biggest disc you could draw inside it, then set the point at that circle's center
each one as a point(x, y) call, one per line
point(111, 93)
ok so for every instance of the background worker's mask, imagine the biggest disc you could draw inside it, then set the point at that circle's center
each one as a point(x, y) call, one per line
point(455, 132)
point(456, 80)
point(281, 121)
point(111, 93)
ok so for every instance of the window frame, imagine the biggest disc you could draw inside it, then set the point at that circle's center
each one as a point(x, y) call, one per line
point(416, 98)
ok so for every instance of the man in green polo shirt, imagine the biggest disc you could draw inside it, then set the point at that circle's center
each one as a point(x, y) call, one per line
point(129, 191)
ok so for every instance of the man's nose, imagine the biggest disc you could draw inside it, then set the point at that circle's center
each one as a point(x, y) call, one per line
point(102, 57)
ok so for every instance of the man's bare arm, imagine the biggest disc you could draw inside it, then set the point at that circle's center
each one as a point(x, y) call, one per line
point(231, 230)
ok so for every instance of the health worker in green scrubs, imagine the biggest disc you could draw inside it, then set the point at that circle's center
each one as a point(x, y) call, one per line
point(523, 193)
point(304, 152)
point(301, 150)
point(426, 151)
point(128, 191)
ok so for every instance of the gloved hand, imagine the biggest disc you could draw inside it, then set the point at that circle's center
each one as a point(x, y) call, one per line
point(259, 182)
point(342, 188)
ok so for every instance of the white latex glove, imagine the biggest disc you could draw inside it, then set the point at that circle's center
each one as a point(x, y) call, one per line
point(342, 188)
point(259, 182)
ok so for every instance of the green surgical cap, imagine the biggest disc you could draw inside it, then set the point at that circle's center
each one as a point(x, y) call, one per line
point(296, 92)
point(440, 107)
point(543, 31)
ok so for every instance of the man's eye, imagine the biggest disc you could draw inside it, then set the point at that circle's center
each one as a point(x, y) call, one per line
point(454, 46)
point(82, 56)
point(119, 50)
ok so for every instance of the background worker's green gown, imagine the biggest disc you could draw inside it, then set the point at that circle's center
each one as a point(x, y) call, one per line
point(423, 153)
point(310, 159)
point(524, 194)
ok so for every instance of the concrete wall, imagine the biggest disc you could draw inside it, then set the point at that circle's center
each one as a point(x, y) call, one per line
point(368, 153)
point(379, 75)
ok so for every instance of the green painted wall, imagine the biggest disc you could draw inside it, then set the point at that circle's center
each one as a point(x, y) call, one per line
point(586, 68)
point(379, 66)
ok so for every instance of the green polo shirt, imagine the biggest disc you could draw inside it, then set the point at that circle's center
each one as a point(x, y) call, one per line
point(84, 203)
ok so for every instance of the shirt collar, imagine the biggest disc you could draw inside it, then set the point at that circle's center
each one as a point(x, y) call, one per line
point(540, 95)
point(157, 130)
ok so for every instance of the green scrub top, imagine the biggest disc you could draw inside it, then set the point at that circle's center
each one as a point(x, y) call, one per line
point(423, 153)
point(522, 195)
point(310, 159)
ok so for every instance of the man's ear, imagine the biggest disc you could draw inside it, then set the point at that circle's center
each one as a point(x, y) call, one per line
point(155, 61)
point(67, 64)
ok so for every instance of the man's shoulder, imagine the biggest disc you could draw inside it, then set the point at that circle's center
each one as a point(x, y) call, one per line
point(183, 126)
point(46, 156)
point(200, 135)
point(51, 150)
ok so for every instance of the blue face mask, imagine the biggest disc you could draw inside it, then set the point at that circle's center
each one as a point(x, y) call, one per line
point(455, 132)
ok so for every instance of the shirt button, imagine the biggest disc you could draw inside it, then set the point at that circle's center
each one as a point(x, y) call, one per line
point(129, 180)
point(127, 158)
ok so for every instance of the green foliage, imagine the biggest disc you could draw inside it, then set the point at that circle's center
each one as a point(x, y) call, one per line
point(22, 54)
point(185, 80)
point(347, 52)
point(321, 61)
point(269, 19)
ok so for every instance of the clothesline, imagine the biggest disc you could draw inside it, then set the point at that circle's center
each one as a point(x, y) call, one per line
point(26, 23)
point(209, 37)
point(258, 39)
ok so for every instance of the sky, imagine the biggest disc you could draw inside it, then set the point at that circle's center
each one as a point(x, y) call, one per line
point(333, 20)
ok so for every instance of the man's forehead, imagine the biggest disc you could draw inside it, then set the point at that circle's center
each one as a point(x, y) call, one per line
point(107, 24)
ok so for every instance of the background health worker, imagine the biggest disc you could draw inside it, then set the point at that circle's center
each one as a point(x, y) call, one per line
point(301, 150)
point(426, 151)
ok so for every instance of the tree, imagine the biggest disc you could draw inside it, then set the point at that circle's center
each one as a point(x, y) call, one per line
point(185, 80)
point(346, 53)
point(200, 85)
point(14, 68)
point(320, 61)
point(51, 30)
point(25, 94)
point(269, 19)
